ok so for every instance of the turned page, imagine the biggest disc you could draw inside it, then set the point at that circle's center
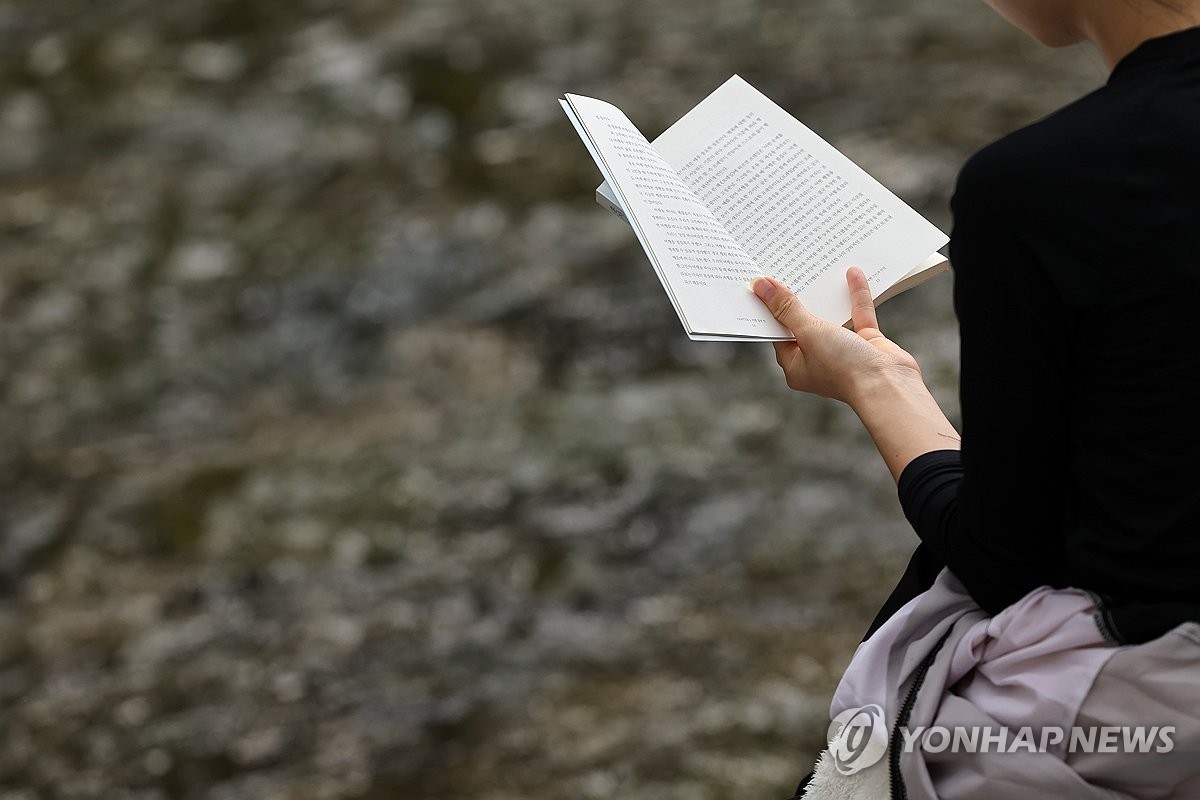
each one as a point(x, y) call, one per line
point(798, 207)
point(704, 270)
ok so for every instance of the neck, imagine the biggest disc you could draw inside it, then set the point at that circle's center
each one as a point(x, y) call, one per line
point(1117, 28)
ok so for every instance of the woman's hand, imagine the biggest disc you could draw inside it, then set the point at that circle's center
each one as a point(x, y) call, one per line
point(863, 368)
point(827, 359)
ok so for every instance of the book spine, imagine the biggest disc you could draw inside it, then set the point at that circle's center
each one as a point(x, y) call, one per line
point(611, 206)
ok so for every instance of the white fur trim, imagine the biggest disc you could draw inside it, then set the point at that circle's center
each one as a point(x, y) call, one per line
point(872, 783)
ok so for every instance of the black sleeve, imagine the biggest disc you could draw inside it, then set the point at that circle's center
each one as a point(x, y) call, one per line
point(928, 489)
point(994, 514)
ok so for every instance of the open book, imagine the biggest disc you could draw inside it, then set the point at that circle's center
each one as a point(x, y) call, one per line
point(739, 188)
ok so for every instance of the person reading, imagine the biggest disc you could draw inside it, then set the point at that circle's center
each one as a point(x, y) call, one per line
point(1075, 253)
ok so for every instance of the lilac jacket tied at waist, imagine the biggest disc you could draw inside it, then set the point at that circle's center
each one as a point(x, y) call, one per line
point(1044, 662)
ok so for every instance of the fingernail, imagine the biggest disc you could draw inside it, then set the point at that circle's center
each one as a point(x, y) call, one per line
point(763, 288)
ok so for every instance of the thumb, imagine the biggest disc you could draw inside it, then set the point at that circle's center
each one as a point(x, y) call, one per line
point(783, 304)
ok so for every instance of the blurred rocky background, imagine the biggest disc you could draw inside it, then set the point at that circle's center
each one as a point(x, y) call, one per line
point(349, 450)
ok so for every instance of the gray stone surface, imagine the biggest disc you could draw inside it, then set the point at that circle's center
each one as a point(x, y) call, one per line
point(349, 450)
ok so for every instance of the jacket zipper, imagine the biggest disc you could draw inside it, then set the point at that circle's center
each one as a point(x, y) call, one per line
point(898, 790)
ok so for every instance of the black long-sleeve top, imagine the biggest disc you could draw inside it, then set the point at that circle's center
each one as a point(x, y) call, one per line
point(1076, 256)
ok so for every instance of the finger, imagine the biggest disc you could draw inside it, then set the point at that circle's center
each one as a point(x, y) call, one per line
point(790, 358)
point(862, 307)
point(784, 352)
point(784, 305)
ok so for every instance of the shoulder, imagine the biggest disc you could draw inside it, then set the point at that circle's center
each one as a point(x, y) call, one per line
point(1073, 196)
point(1064, 157)
point(1018, 199)
point(1135, 136)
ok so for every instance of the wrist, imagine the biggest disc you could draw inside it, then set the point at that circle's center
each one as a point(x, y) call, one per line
point(884, 385)
point(902, 416)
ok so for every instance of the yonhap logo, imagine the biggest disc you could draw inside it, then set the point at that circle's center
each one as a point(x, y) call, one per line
point(858, 738)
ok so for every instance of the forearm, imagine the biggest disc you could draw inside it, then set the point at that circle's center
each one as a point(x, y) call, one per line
point(902, 418)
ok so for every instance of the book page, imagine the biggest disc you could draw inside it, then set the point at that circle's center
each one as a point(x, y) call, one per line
point(705, 271)
point(798, 207)
point(928, 269)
